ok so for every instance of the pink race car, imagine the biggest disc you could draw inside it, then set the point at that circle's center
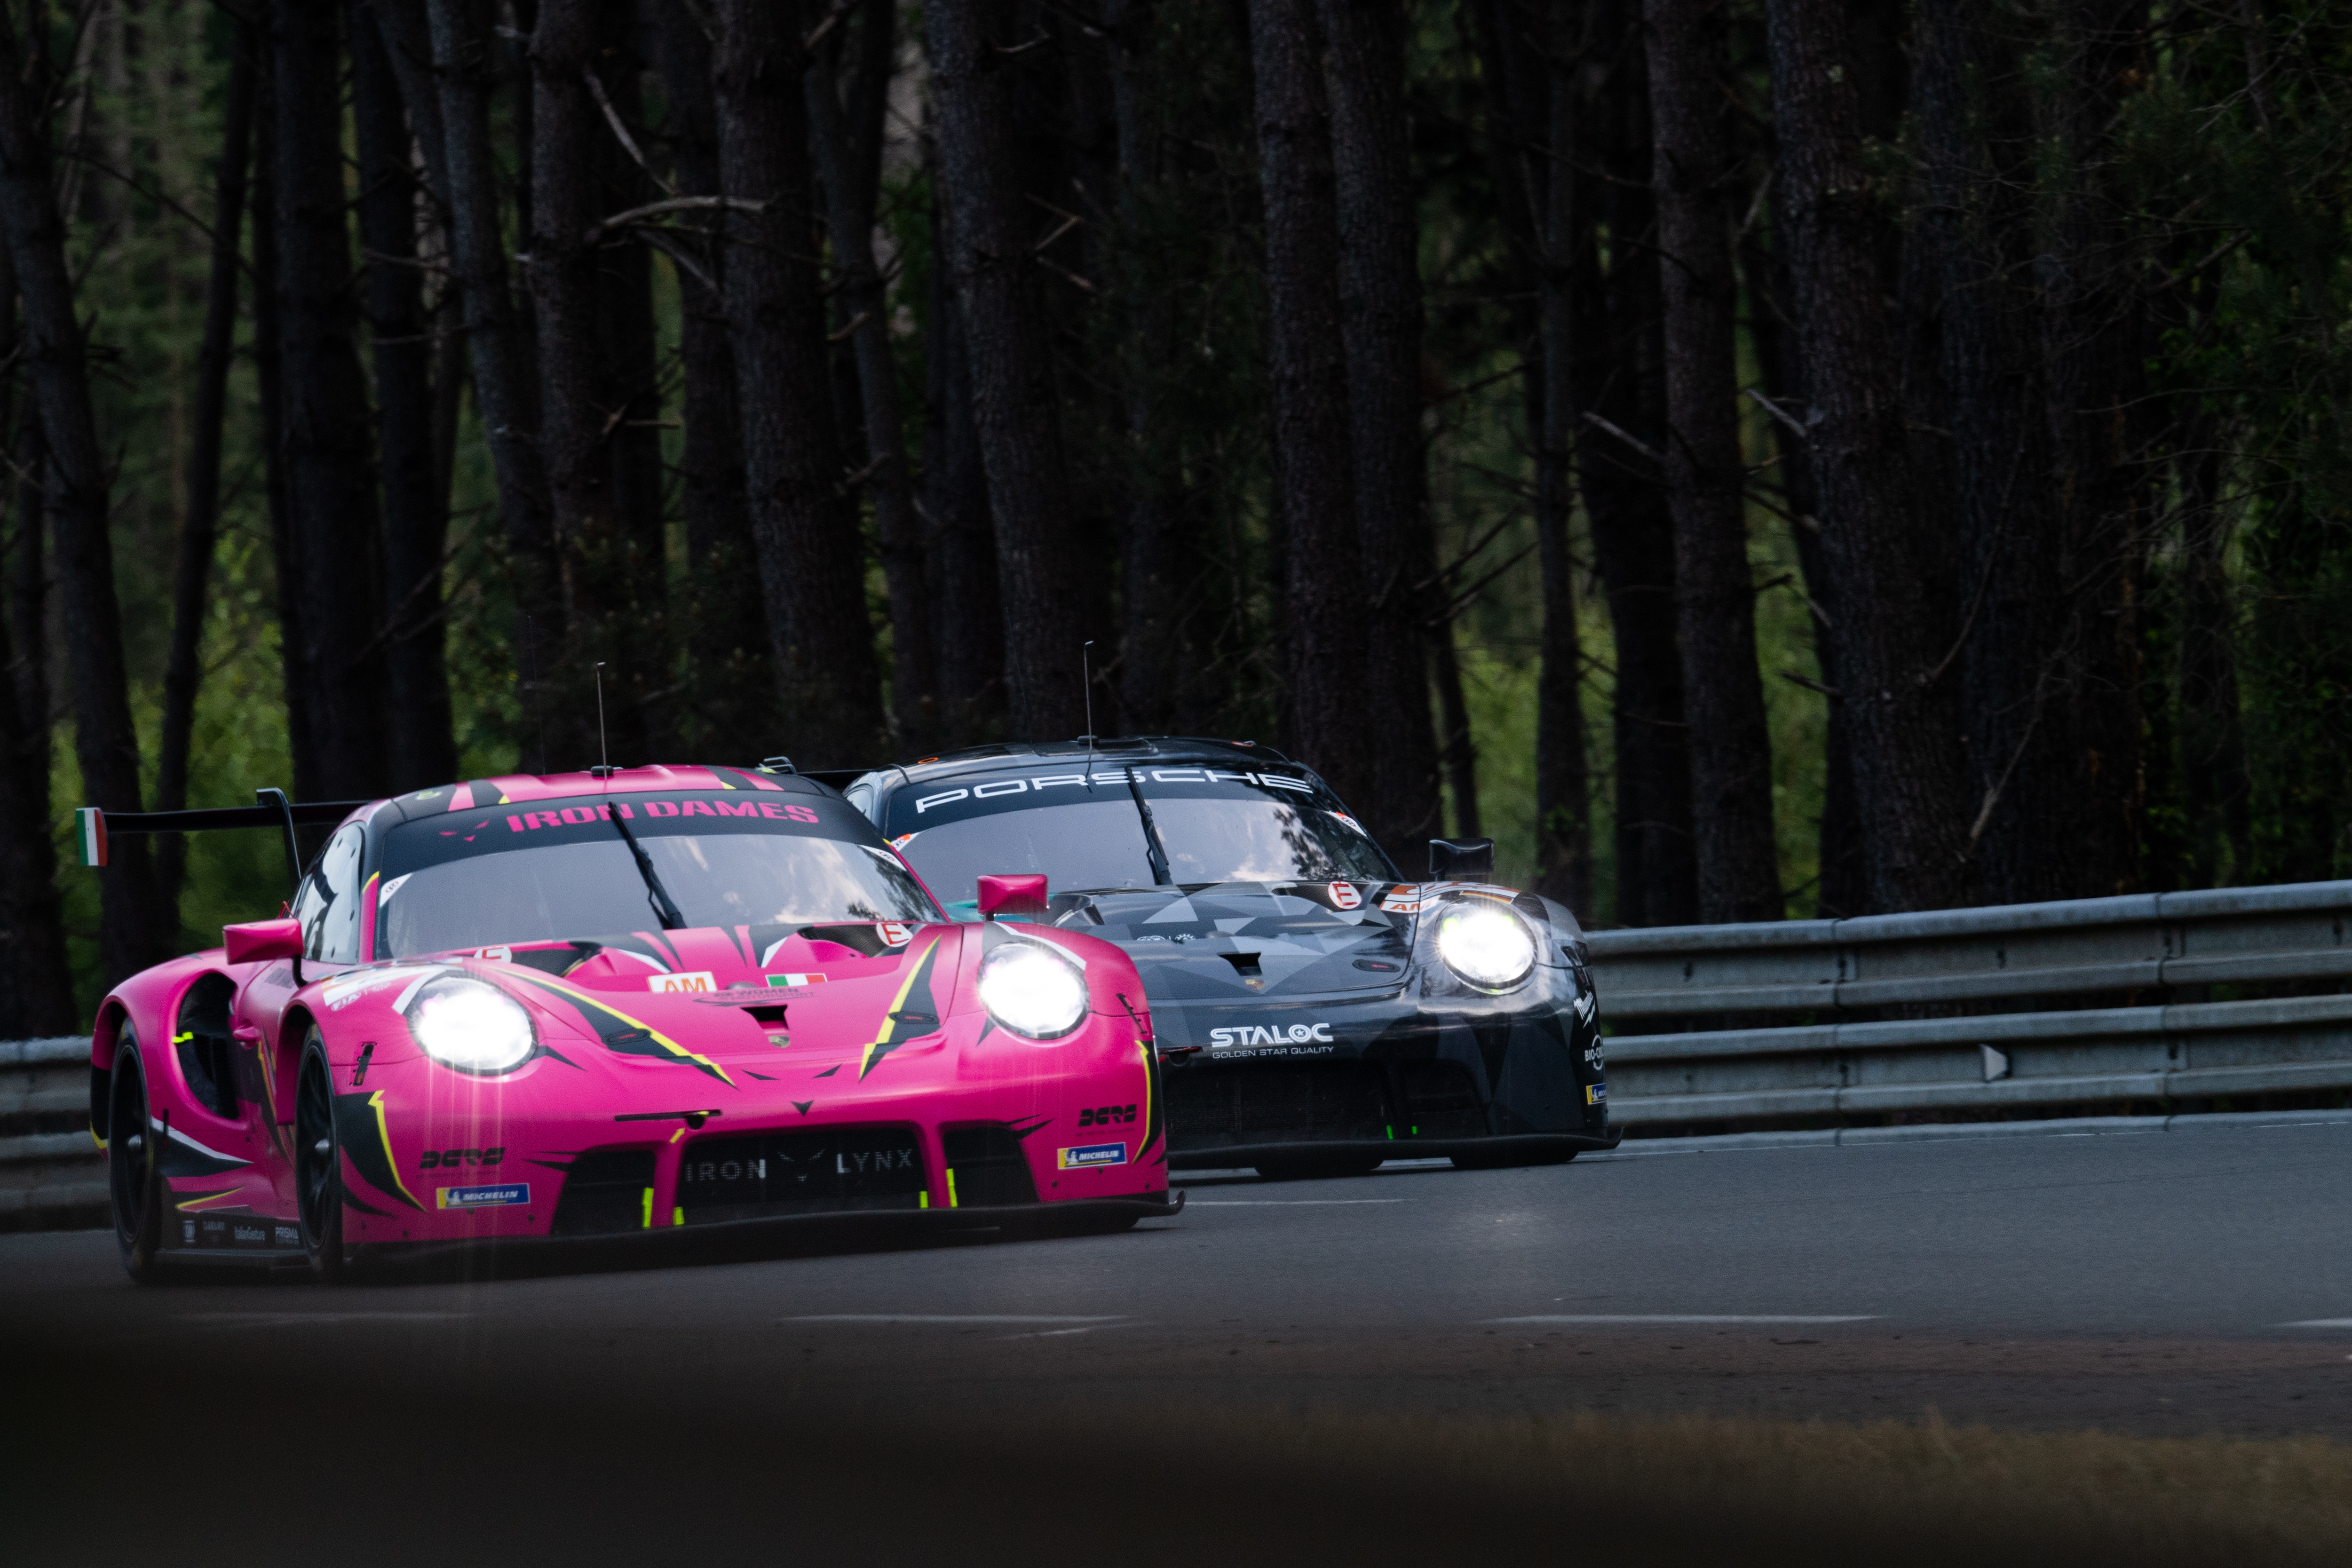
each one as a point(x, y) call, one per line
point(634, 1002)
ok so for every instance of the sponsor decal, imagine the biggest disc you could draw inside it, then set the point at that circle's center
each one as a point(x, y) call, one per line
point(579, 815)
point(1344, 895)
point(796, 979)
point(188, 1231)
point(1106, 1115)
point(1402, 900)
point(503, 955)
point(450, 1159)
point(1350, 822)
point(895, 933)
point(1596, 1094)
point(859, 1165)
point(1087, 1155)
point(996, 788)
point(1270, 1034)
point(509, 1197)
point(693, 980)
point(288, 1235)
point(1592, 1056)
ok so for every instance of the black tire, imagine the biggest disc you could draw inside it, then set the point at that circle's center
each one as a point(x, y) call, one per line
point(1498, 1160)
point(318, 1165)
point(134, 1185)
point(1314, 1167)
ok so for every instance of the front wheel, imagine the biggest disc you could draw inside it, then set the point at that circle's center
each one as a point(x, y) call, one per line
point(134, 1175)
point(317, 1164)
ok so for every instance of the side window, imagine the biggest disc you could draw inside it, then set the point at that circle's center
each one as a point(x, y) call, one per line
point(861, 796)
point(329, 907)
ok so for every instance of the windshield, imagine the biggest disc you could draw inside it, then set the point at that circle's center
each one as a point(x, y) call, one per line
point(560, 869)
point(1215, 827)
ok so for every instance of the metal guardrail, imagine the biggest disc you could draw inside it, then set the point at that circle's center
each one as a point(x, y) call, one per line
point(2073, 1003)
point(51, 1175)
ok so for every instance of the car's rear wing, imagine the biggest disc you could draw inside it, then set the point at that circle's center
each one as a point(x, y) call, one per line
point(93, 826)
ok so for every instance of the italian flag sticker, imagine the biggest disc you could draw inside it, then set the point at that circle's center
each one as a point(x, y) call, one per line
point(90, 827)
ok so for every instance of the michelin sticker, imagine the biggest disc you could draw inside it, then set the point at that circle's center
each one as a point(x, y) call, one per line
point(1091, 1154)
point(509, 1196)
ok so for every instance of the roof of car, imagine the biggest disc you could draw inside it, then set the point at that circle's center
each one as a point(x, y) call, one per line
point(1118, 749)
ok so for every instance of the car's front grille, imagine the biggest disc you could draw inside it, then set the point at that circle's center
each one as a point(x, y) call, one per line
point(1220, 1104)
point(751, 1175)
point(1441, 1101)
point(986, 1167)
point(605, 1191)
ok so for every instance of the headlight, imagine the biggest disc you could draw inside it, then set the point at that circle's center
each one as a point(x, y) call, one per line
point(470, 1025)
point(1032, 990)
point(1488, 947)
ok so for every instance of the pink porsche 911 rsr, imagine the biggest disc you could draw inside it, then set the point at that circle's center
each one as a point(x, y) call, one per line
point(627, 1002)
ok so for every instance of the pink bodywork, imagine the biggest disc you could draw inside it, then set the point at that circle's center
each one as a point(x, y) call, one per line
point(744, 1057)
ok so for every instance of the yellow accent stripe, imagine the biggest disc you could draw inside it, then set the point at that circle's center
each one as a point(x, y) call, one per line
point(649, 1208)
point(1146, 1048)
point(585, 1000)
point(923, 1200)
point(376, 1103)
point(235, 1196)
point(678, 1216)
point(882, 1035)
point(677, 1135)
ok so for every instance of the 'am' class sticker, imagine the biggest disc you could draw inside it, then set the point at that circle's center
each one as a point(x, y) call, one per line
point(1091, 1154)
point(507, 1196)
point(695, 980)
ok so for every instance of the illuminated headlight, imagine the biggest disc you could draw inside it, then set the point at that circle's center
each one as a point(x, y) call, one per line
point(1488, 947)
point(1032, 990)
point(470, 1025)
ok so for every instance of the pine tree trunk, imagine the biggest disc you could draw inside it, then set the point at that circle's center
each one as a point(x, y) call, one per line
point(848, 161)
point(633, 354)
point(967, 606)
point(36, 981)
point(1908, 767)
point(992, 232)
point(106, 740)
point(1381, 327)
point(1723, 697)
point(1618, 374)
point(192, 575)
point(421, 744)
point(579, 406)
point(269, 374)
point(1323, 585)
point(495, 329)
point(330, 469)
point(730, 698)
point(812, 560)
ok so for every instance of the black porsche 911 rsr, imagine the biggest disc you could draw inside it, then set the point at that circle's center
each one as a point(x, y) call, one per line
point(1315, 1012)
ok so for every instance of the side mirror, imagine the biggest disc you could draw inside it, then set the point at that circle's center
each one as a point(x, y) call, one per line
point(1470, 860)
point(258, 942)
point(1023, 895)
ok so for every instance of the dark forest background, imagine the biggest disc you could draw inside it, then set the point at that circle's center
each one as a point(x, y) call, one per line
point(1752, 457)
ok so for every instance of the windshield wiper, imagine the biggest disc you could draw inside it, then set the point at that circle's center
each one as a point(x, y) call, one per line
point(664, 910)
point(1162, 876)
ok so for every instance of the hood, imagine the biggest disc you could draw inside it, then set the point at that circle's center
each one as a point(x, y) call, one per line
point(1240, 941)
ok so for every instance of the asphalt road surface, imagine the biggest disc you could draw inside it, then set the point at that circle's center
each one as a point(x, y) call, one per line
point(2176, 1283)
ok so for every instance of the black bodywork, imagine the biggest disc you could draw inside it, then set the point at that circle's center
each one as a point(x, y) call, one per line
point(1305, 1023)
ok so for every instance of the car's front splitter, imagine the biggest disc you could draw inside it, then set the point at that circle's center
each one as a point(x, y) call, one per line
point(727, 1239)
point(1507, 1147)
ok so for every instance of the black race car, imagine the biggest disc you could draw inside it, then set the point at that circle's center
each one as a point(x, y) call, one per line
point(1315, 1012)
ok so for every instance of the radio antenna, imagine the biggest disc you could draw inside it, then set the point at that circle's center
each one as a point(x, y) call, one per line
point(604, 751)
point(1087, 681)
